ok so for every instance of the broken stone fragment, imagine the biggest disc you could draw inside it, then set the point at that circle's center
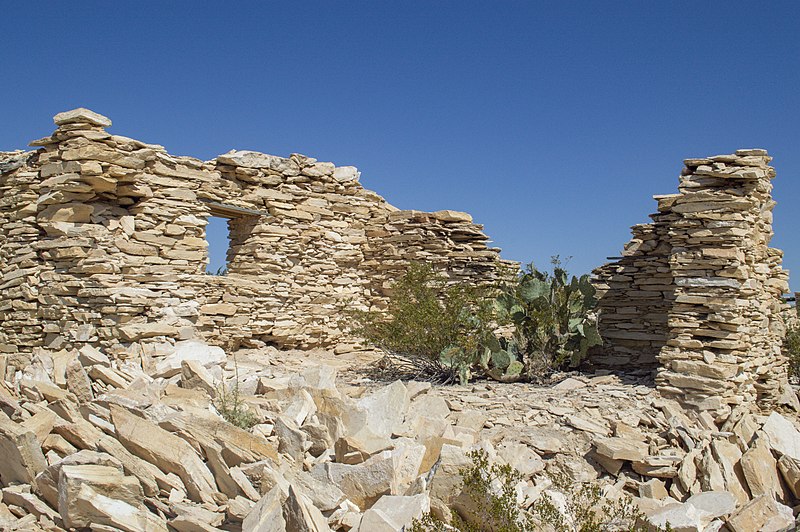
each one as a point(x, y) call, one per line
point(783, 436)
point(790, 469)
point(116, 513)
point(447, 478)
point(102, 479)
point(83, 116)
point(166, 451)
point(267, 514)
point(760, 470)
point(196, 350)
point(20, 496)
point(621, 449)
point(363, 484)
point(22, 457)
point(301, 515)
point(394, 512)
point(220, 309)
point(195, 376)
point(138, 331)
point(343, 174)
point(763, 513)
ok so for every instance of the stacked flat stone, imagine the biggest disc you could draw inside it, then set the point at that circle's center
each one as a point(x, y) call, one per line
point(635, 295)
point(716, 280)
point(102, 239)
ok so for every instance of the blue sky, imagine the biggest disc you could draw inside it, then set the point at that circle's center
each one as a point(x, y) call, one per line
point(552, 123)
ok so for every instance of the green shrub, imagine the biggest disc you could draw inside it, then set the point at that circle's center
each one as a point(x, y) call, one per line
point(553, 318)
point(435, 326)
point(791, 349)
point(230, 406)
point(228, 402)
point(491, 491)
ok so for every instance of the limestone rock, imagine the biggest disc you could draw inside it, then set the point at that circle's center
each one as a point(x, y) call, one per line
point(108, 481)
point(790, 469)
point(194, 350)
point(393, 512)
point(782, 435)
point(81, 115)
point(115, 513)
point(301, 515)
point(21, 452)
point(762, 513)
point(364, 483)
point(267, 514)
point(760, 470)
point(166, 451)
point(621, 449)
point(139, 331)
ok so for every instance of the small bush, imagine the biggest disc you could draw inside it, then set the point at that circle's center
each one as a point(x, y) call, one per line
point(491, 490)
point(435, 326)
point(229, 404)
point(791, 349)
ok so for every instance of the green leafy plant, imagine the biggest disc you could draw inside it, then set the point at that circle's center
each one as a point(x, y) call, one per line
point(228, 402)
point(435, 326)
point(587, 509)
point(791, 349)
point(491, 500)
point(221, 271)
point(552, 316)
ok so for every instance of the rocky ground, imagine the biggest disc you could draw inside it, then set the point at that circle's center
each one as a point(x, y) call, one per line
point(93, 443)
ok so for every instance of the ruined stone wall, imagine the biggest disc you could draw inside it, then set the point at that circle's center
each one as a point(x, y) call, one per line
point(102, 241)
point(698, 292)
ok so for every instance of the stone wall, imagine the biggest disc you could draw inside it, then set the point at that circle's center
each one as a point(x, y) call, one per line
point(102, 242)
point(698, 292)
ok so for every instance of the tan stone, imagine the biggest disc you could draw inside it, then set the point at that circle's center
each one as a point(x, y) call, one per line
point(760, 470)
point(81, 115)
point(790, 470)
point(108, 481)
point(762, 513)
point(139, 331)
point(621, 449)
point(21, 452)
point(301, 515)
point(166, 451)
point(116, 513)
point(267, 514)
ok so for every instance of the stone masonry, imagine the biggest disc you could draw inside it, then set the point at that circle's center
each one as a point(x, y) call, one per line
point(698, 292)
point(102, 242)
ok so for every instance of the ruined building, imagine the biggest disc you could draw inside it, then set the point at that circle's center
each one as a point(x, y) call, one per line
point(697, 294)
point(102, 242)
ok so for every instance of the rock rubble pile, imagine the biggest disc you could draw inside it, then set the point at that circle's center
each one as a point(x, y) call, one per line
point(93, 442)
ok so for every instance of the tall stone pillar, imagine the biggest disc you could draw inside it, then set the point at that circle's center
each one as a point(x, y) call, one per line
point(725, 325)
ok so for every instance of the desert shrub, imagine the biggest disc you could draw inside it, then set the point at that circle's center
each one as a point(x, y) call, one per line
point(230, 406)
point(791, 349)
point(491, 490)
point(228, 402)
point(435, 326)
point(552, 316)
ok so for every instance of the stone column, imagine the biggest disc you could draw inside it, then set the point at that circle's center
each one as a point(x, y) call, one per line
point(725, 326)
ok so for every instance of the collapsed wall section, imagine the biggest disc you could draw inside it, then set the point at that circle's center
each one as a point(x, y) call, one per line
point(103, 243)
point(704, 274)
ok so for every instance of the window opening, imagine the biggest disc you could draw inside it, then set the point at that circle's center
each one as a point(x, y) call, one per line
point(218, 236)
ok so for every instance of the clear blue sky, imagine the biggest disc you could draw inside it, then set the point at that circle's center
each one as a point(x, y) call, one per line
point(552, 123)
